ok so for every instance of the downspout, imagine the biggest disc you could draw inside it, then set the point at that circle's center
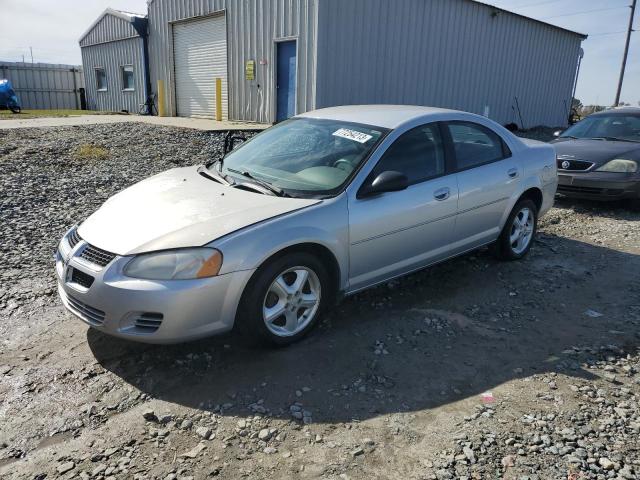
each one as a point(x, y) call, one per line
point(575, 82)
point(141, 26)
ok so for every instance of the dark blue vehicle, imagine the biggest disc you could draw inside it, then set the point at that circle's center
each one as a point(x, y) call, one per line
point(8, 98)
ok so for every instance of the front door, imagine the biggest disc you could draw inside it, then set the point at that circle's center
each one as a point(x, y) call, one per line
point(286, 81)
point(397, 232)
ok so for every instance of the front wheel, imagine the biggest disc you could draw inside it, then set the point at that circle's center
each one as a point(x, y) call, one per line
point(15, 108)
point(284, 300)
point(517, 235)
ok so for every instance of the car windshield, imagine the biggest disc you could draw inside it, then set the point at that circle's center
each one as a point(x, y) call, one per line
point(607, 127)
point(304, 156)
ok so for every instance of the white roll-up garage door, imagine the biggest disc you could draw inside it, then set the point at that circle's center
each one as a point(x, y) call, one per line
point(200, 56)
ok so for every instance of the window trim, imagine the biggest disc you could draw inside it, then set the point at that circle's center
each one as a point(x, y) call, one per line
point(506, 151)
point(106, 81)
point(447, 158)
point(122, 67)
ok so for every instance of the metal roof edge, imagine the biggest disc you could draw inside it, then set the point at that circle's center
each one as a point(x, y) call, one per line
point(583, 36)
point(126, 16)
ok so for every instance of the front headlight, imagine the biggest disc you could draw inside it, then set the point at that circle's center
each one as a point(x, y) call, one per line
point(619, 165)
point(183, 264)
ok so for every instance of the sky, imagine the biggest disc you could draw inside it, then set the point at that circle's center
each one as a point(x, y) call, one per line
point(53, 27)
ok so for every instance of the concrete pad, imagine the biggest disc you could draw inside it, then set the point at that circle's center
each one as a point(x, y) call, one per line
point(79, 120)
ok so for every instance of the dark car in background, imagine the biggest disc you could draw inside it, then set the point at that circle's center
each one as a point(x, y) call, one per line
point(599, 157)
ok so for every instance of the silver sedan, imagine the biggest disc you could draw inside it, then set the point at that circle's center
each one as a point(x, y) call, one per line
point(321, 206)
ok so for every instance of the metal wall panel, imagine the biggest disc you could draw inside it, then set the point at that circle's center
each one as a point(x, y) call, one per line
point(253, 26)
point(200, 57)
point(109, 28)
point(44, 85)
point(111, 56)
point(445, 53)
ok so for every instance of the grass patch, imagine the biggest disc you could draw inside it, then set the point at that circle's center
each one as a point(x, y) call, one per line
point(88, 151)
point(8, 115)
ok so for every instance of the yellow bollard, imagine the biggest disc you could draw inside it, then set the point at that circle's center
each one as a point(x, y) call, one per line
point(162, 111)
point(219, 99)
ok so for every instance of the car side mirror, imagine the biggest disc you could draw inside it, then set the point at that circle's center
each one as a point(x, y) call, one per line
point(557, 133)
point(389, 181)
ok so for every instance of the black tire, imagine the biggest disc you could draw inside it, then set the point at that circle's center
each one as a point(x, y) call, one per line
point(504, 248)
point(250, 323)
point(15, 108)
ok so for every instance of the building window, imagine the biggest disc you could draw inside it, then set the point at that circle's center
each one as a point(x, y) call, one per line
point(127, 77)
point(101, 79)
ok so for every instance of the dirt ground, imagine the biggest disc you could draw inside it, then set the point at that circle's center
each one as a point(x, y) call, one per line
point(472, 369)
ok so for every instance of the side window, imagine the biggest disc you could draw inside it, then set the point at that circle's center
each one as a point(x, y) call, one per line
point(101, 79)
point(476, 145)
point(418, 153)
point(127, 77)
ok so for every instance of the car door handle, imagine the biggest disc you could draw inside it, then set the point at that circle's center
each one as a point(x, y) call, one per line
point(513, 173)
point(442, 194)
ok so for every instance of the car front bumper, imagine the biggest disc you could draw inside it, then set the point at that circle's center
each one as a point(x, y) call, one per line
point(146, 310)
point(598, 186)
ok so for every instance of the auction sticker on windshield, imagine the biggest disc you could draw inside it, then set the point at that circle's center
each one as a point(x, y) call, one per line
point(352, 135)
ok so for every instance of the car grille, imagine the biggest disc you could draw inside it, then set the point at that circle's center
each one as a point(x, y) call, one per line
point(590, 190)
point(148, 322)
point(81, 278)
point(575, 165)
point(92, 315)
point(73, 238)
point(97, 256)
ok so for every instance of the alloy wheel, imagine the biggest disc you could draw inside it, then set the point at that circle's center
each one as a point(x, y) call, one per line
point(292, 301)
point(521, 230)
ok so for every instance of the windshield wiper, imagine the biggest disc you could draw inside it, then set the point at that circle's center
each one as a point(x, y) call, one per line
point(272, 188)
point(614, 139)
point(214, 175)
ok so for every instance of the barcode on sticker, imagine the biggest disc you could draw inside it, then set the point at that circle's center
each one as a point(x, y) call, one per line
point(352, 135)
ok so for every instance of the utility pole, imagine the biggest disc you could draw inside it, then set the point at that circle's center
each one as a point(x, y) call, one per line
point(626, 52)
point(31, 48)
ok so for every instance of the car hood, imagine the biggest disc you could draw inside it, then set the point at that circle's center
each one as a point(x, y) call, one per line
point(596, 151)
point(178, 208)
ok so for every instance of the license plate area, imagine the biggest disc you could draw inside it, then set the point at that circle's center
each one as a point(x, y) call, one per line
point(565, 180)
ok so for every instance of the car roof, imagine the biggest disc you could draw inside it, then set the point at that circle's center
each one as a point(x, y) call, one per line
point(387, 116)
point(620, 111)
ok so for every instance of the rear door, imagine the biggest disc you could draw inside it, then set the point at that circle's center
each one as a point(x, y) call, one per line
point(396, 232)
point(488, 175)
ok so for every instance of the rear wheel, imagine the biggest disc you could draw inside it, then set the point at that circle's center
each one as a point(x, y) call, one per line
point(284, 300)
point(517, 235)
point(15, 108)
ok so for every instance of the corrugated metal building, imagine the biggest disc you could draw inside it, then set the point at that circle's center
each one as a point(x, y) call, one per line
point(277, 58)
point(48, 86)
point(113, 56)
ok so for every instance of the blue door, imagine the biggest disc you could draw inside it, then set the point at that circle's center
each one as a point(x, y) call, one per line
point(286, 86)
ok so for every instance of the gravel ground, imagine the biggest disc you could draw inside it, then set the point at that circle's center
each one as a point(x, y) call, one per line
point(472, 369)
